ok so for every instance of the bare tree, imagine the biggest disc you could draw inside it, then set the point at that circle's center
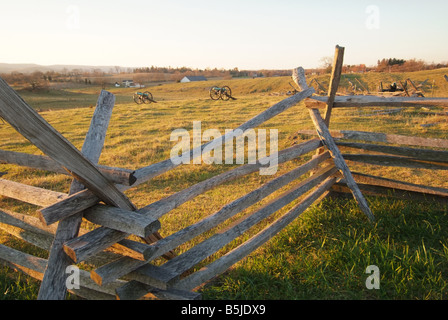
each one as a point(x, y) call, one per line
point(326, 63)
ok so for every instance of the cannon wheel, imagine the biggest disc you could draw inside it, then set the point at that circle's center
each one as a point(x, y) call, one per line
point(226, 93)
point(147, 97)
point(215, 93)
point(137, 99)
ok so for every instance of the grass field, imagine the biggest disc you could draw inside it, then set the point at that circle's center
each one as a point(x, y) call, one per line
point(322, 255)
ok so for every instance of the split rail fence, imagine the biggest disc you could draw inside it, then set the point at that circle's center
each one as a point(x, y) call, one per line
point(123, 268)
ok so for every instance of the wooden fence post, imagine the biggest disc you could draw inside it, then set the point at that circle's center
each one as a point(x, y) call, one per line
point(53, 285)
point(298, 76)
point(334, 82)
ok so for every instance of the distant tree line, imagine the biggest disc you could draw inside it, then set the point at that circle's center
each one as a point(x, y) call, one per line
point(36, 81)
point(178, 73)
point(401, 65)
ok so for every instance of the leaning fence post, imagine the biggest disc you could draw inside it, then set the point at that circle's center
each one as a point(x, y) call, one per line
point(327, 140)
point(53, 284)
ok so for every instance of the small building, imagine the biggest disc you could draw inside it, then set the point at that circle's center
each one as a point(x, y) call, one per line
point(193, 78)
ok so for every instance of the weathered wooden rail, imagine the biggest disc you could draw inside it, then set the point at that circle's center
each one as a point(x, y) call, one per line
point(125, 269)
point(384, 152)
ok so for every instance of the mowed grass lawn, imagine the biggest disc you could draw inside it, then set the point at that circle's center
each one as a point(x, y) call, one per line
point(322, 255)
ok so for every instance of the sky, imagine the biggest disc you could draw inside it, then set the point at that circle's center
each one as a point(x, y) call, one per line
point(244, 34)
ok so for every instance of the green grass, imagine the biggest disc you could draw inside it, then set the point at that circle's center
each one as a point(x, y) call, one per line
point(322, 255)
point(17, 286)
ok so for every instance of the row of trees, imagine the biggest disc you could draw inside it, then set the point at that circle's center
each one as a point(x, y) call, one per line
point(210, 73)
point(36, 81)
point(383, 65)
point(401, 65)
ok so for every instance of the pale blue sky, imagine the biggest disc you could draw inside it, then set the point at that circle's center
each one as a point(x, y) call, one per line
point(248, 34)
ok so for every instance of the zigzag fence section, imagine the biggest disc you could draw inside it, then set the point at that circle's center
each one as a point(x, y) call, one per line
point(125, 269)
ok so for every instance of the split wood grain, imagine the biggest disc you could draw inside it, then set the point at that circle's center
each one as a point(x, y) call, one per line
point(26, 222)
point(126, 267)
point(29, 194)
point(360, 101)
point(152, 275)
point(134, 290)
point(298, 76)
point(384, 137)
point(327, 139)
point(395, 184)
point(27, 228)
point(393, 161)
point(127, 221)
point(398, 190)
point(115, 175)
point(223, 263)
point(70, 206)
point(414, 153)
point(334, 82)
